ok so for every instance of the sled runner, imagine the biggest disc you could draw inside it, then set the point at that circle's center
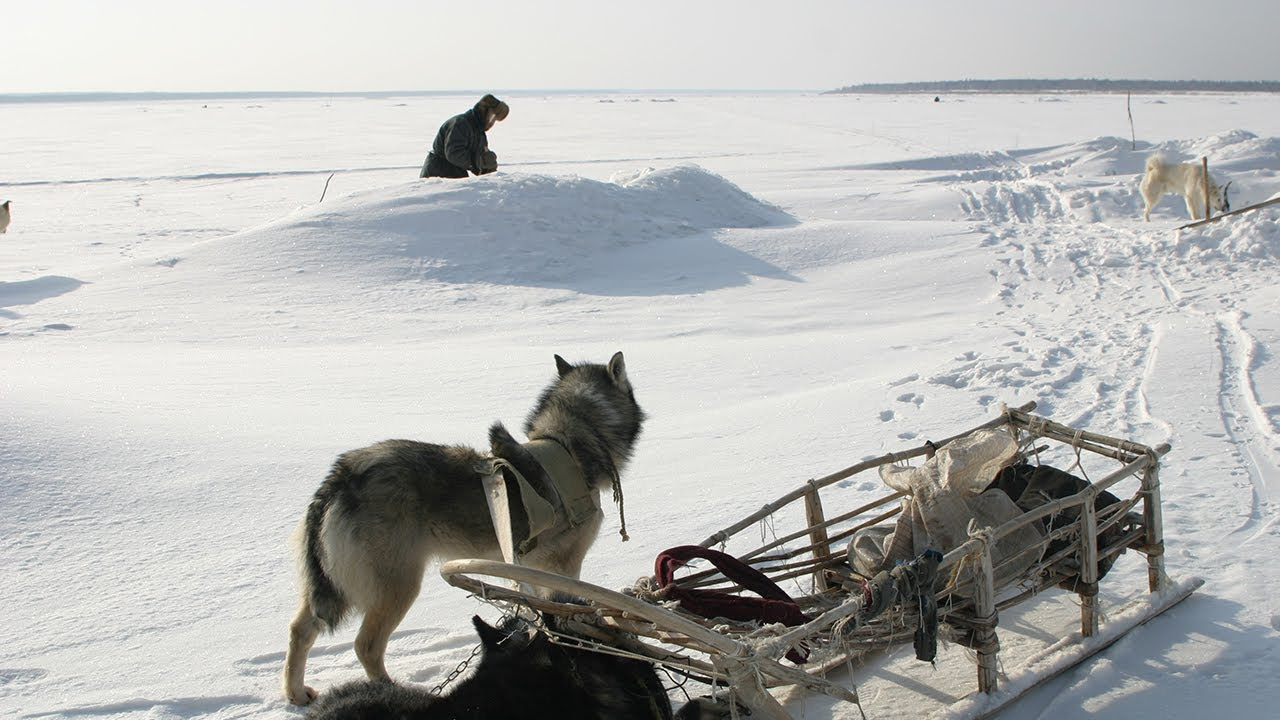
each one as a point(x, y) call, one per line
point(981, 524)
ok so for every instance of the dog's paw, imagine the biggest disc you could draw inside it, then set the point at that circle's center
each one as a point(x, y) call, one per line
point(303, 695)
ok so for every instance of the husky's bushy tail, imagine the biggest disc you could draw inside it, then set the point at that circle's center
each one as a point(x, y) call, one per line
point(1156, 163)
point(327, 601)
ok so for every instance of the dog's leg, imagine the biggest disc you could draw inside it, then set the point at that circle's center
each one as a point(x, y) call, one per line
point(396, 598)
point(1192, 207)
point(303, 632)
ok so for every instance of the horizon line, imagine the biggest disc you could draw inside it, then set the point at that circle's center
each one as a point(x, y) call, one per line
point(72, 95)
point(62, 94)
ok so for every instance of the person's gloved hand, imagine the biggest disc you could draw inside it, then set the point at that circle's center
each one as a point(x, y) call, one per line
point(488, 162)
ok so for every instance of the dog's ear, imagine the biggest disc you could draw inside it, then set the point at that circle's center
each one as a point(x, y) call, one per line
point(562, 366)
point(1226, 201)
point(490, 636)
point(618, 368)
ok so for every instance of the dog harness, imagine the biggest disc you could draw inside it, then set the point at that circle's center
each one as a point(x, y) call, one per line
point(567, 499)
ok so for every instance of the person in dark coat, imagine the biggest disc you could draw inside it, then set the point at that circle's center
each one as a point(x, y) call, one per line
point(461, 145)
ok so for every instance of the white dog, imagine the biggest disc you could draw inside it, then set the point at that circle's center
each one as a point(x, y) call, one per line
point(4, 216)
point(1186, 179)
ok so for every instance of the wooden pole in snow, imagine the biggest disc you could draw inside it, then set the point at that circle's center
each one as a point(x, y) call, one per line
point(1128, 103)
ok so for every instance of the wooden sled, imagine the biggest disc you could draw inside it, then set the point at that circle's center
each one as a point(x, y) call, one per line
point(849, 616)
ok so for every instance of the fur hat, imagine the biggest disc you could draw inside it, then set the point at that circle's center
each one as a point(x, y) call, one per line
point(489, 102)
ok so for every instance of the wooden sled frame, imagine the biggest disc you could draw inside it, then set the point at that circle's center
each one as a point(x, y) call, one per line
point(747, 658)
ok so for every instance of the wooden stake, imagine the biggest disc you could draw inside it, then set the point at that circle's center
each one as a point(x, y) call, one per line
point(984, 611)
point(326, 187)
point(1129, 104)
point(1153, 519)
point(1088, 565)
point(817, 520)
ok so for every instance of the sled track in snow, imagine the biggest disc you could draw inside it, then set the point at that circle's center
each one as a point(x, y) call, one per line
point(1244, 418)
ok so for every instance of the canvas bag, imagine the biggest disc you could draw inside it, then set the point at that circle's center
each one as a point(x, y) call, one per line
point(944, 494)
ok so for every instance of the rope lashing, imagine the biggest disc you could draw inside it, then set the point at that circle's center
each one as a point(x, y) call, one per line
point(622, 511)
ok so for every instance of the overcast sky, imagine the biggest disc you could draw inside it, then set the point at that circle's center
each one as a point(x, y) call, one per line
point(328, 45)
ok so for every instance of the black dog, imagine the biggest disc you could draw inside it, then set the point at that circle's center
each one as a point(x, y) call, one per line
point(522, 673)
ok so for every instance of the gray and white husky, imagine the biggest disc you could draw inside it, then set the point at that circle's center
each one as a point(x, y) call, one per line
point(385, 511)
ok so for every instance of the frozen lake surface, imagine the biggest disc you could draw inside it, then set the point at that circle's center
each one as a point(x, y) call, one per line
point(189, 336)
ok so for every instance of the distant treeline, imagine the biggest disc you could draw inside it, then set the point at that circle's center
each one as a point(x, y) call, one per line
point(69, 97)
point(1086, 85)
point(215, 96)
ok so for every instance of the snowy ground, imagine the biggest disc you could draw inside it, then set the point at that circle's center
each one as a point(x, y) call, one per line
point(188, 338)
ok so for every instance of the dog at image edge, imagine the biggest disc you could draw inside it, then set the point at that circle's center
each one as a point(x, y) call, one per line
point(386, 511)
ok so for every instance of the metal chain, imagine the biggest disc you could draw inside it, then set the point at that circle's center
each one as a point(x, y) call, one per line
point(462, 667)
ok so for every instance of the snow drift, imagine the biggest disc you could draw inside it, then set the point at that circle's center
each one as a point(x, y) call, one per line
point(517, 228)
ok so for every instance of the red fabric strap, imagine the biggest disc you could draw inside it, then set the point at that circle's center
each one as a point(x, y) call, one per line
point(773, 606)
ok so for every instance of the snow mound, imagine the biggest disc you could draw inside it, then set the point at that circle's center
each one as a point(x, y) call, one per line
point(1103, 156)
point(1230, 144)
point(990, 165)
point(1097, 180)
point(1250, 240)
point(513, 228)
